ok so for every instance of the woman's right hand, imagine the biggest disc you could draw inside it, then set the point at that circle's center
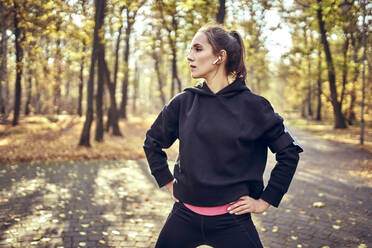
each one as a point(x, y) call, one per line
point(170, 190)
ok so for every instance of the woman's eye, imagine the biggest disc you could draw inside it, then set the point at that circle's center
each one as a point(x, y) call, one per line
point(198, 49)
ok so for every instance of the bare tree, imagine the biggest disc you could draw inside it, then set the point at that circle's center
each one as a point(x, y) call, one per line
point(20, 37)
point(3, 63)
point(172, 27)
point(339, 117)
point(99, 17)
point(131, 9)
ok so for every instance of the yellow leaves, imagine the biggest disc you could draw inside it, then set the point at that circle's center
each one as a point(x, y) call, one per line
point(55, 138)
point(49, 5)
point(318, 204)
point(336, 227)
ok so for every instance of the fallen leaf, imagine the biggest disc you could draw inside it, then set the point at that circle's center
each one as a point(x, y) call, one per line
point(318, 204)
point(336, 227)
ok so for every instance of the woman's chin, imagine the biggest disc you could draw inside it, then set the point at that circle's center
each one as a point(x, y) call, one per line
point(195, 76)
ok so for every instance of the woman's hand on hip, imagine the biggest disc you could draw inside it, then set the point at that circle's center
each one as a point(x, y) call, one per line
point(247, 204)
point(169, 187)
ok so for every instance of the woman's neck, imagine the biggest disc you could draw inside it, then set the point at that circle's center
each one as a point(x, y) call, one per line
point(218, 82)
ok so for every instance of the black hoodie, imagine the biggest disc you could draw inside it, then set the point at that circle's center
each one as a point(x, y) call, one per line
point(224, 138)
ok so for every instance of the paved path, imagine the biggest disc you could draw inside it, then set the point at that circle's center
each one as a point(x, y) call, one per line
point(117, 204)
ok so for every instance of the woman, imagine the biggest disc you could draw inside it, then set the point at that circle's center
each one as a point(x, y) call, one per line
point(224, 130)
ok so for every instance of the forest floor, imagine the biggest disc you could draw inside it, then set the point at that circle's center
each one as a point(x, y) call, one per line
point(55, 138)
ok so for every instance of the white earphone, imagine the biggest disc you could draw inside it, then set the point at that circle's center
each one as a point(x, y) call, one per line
point(218, 59)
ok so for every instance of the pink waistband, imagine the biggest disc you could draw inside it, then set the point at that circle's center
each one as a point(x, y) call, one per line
point(210, 211)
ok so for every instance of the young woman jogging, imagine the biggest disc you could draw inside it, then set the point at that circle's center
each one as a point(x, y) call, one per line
point(224, 131)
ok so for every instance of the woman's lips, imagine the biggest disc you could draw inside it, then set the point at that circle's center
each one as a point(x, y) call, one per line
point(192, 66)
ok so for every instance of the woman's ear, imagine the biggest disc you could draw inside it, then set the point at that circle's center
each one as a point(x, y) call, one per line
point(223, 55)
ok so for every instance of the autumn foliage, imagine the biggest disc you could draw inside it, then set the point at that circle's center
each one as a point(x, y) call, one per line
point(54, 138)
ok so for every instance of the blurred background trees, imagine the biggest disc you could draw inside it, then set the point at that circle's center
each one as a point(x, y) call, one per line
point(107, 59)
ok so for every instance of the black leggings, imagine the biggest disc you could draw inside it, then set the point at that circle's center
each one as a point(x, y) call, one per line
point(186, 229)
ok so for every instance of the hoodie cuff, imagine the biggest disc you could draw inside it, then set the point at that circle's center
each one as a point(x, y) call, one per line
point(163, 177)
point(272, 196)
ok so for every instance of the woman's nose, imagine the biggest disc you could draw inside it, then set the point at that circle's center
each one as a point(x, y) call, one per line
point(189, 58)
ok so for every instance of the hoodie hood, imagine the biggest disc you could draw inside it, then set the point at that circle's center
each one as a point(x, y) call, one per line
point(232, 89)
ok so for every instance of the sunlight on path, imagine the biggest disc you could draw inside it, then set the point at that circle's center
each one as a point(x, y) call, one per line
point(77, 205)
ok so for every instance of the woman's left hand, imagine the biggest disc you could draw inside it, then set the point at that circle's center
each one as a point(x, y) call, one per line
point(247, 204)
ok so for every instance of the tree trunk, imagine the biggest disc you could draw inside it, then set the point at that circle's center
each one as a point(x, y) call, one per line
point(81, 87)
point(364, 61)
point(135, 86)
point(58, 76)
point(82, 64)
point(344, 68)
point(29, 92)
point(175, 78)
point(351, 113)
point(309, 82)
point(99, 16)
point(319, 88)
point(3, 68)
point(113, 108)
point(220, 17)
point(19, 38)
point(36, 102)
point(159, 75)
point(174, 55)
point(339, 117)
point(100, 83)
point(124, 97)
point(99, 95)
point(303, 109)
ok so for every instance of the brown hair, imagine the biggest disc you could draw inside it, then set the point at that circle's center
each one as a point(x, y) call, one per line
point(232, 42)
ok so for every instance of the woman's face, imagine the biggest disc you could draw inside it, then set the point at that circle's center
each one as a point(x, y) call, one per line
point(201, 57)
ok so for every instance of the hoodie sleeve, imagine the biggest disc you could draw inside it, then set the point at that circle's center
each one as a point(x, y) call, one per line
point(162, 134)
point(281, 142)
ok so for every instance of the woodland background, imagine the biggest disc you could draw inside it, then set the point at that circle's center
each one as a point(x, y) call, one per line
point(70, 65)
